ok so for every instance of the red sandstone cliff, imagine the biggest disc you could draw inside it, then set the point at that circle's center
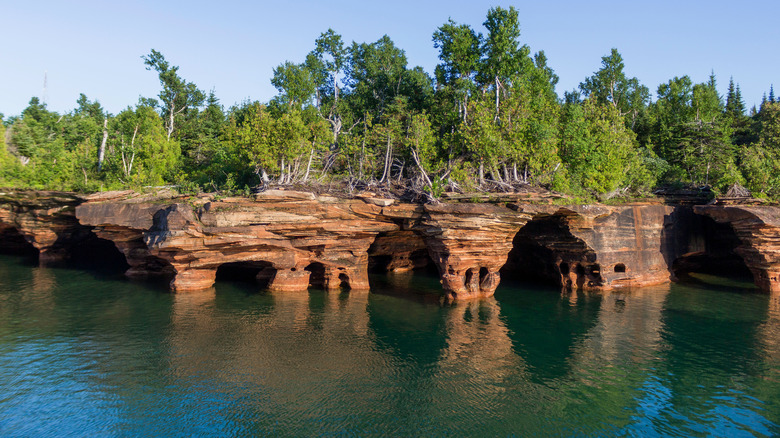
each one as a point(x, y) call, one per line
point(297, 239)
point(758, 228)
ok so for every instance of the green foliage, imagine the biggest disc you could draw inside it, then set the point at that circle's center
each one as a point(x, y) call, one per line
point(295, 82)
point(489, 118)
point(179, 99)
point(10, 168)
point(459, 51)
point(610, 86)
point(599, 150)
point(761, 160)
point(503, 57)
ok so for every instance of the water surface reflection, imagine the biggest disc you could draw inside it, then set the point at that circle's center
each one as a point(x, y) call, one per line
point(88, 354)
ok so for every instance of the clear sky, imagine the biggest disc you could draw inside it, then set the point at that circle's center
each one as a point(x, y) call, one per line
point(95, 47)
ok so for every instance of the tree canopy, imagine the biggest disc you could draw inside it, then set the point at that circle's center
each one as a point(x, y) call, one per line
point(489, 118)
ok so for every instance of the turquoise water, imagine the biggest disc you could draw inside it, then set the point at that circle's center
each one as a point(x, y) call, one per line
point(90, 353)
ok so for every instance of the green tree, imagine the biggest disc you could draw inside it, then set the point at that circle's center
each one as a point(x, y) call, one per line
point(598, 149)
point(734, 112)
point(180, 99)
point(376, 75)
point(143, 154)
point(502, 55)
point(761, 159)
point(610, 86)
point(420, 143)
point(670, 113)
point(460, 53)
point(86, 129)
point(295, 83)
point(480, 136)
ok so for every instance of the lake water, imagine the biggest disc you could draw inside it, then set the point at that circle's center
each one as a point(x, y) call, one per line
point(89, 353)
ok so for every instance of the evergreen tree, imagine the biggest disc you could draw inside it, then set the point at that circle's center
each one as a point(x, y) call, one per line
point(610, 85)
point(503, 58)
point(735, 116)
point(735, 106)
point(761, 159)
point(180, 99)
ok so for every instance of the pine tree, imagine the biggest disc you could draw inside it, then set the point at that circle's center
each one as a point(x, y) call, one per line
point(740, 102)
point(735, 107)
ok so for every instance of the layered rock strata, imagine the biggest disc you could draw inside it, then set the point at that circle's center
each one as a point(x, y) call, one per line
point(45, 220)
point(296, 240)
point(603, 247)
point(758, 228)
point(469, 244)
point(295, 234)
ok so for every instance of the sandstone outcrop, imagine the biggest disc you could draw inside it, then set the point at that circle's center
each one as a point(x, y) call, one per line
point(469, 244)
point(603, 247)
point(45, 220)
point(295, 240)
point(758, 228)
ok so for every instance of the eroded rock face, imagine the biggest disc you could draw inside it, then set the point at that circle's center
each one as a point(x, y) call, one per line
point(296, 240)
point(399, 251)
point(604, 247)
point(45, 220)
point(469, 244)
point(758, 228)
point(290, 233)
point(633, 245)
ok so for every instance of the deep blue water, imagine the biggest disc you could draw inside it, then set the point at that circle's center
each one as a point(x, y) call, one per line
point(90, 353)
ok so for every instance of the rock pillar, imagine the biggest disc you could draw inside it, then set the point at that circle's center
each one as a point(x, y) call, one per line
point(193, 279)
point(353, 277)
point(469, 244)
point(293, 279)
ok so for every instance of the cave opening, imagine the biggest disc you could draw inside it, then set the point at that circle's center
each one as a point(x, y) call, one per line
point(316, 275)
point(399, 251)
point(400, 265)
point(94, 252)
point(545, 252)
point(12, 242)
point(344, 281)
point(483, 273)
point(711, 252)
point(254, 272)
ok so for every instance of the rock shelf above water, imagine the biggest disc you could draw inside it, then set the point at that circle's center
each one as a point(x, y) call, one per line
point(298, 239)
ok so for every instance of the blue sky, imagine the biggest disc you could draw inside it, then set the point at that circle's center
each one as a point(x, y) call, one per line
point(95, 47)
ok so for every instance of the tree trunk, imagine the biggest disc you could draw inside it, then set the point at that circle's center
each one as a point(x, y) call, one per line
point(496, 173)
point(481, 172)
point(308, 165)
point(170, 123)
point(128, 167)
point(497, 87)
point(102, 151)
point(362, 155)
point(388, 160)
point(465, 107)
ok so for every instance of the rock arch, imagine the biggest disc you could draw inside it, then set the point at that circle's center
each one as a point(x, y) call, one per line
point(546, 250)
point(758, 230)
point(398, 251)
point(711, 247)
point(14, 242)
